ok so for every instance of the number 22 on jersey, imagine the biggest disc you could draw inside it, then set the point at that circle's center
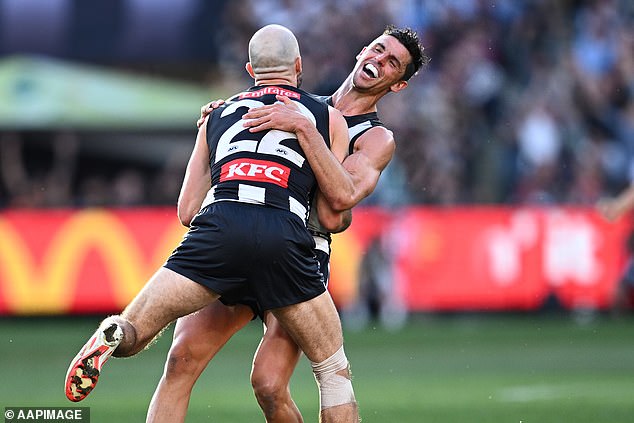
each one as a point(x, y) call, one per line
point(271, 143)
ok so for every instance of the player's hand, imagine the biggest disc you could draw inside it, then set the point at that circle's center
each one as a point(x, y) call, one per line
point(284, 115)
point(207, 109)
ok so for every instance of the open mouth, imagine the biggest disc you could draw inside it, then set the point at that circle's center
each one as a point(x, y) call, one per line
point(371, 70)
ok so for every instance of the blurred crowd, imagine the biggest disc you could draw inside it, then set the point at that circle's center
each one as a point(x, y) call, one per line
point(524, 102)
point(58, 175)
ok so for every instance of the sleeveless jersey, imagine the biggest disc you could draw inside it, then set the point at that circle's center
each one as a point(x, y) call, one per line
point(357, 126)
point(267, 167)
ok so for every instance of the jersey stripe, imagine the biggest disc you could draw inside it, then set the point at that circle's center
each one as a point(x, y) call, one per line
point(251, 194)
point(355, 130)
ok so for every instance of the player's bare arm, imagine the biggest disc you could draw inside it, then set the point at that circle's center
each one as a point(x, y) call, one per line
point(332, 220)
point(372, 153)
point(334, 182)
point(197, 181)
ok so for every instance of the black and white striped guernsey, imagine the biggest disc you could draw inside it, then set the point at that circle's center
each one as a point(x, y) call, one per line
point(267, 167)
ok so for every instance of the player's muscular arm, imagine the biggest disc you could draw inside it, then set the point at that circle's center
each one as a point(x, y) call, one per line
point(372, 153)
point(333, 218)
point(333, 221)
point(197, 179)
point(334, 182)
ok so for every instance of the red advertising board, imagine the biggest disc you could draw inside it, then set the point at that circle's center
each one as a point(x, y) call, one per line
point(431, 259)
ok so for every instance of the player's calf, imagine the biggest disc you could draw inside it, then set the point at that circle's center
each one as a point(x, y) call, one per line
point(333, 379)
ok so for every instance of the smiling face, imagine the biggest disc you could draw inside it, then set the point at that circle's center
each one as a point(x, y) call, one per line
point(381, 66)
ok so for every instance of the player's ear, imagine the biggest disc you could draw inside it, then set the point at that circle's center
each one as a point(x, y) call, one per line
point(298, 65)
point(398, 86)
point(249, 69)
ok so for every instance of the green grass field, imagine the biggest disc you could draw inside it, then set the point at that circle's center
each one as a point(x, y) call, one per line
point(483, 368)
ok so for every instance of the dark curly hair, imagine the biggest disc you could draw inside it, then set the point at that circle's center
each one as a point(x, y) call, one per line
point(409, 39)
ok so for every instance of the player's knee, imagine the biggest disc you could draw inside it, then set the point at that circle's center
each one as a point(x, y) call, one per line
point(334, 380)
point(268, 388)
point(182, 363)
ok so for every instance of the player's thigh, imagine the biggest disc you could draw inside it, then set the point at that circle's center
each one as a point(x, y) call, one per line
point(203, 333)
point(314, 325)
point(277, 355)
point(166, 297)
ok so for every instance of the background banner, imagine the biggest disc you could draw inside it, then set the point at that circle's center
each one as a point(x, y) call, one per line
point(425, 259)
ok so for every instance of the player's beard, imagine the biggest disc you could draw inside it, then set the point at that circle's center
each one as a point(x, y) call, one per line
point(299, 79)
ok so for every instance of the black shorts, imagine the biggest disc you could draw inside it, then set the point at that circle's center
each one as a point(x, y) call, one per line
point(245, 297)
point(233, 248)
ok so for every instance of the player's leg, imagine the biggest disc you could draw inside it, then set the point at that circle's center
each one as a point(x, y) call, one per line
point(197, 339)
point(273, 365)
point(316, 328)
point(291, 286)
point(277, 357)
point(167, 296)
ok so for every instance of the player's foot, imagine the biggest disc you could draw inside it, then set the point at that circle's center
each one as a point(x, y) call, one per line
point(84, 370)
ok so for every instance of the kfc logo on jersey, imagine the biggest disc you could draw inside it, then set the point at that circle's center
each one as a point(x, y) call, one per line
point(270, 90)
point(255, 170)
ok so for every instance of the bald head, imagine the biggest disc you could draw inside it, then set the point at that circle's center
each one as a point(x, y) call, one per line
point(273, 49)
